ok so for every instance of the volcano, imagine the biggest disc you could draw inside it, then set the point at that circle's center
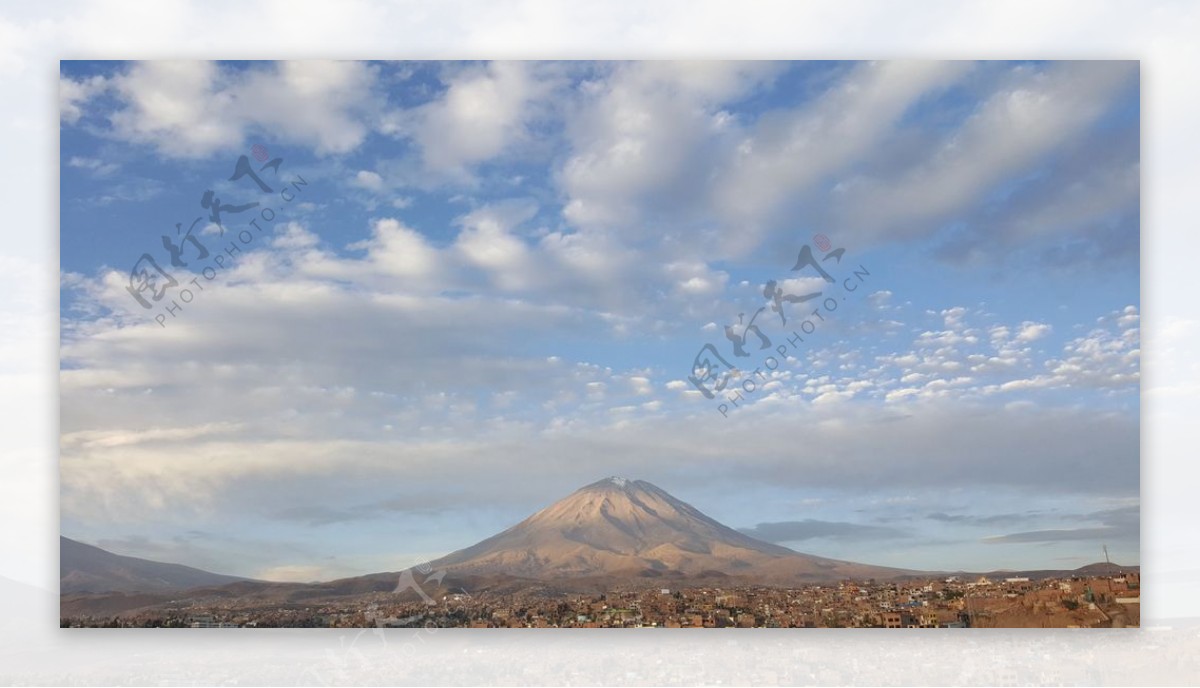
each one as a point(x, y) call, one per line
point(632, 529)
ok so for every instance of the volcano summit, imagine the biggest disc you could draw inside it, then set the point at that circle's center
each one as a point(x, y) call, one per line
point(632, 529)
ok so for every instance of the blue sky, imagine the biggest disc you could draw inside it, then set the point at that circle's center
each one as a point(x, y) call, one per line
point(494, 284)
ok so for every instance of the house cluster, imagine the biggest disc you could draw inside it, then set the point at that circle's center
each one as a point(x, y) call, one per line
point(953, 602)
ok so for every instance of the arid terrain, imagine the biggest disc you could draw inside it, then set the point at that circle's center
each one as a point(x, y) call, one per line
point(616, 552)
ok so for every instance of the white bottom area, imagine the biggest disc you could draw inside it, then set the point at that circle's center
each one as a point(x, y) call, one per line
point(34, 652)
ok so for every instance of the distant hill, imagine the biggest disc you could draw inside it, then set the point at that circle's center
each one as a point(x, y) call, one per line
point(634, 531)
point(87, 569)
point(1097, 569)
point(1104, 568)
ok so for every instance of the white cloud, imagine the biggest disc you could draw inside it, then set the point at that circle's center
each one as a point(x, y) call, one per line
point(487, 242)
point(369, 180)
point(96, 167)
point(74, 95)
point(641, 385)
point(696, 278)
point(294, 235)
point(397, 250)
point(124, 438)
point(953, 317)
point(789, 151)
point(1031, 331)
point(172, 105)
point(1033, 111)
point(969, 362)
point(197, 108)
point(483, 112)
point(642, 132)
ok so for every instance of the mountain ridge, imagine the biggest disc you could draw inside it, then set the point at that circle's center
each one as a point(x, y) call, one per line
point(85, 568)
point(613, 533)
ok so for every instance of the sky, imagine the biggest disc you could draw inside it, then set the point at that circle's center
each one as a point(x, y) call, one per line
point(473, 288)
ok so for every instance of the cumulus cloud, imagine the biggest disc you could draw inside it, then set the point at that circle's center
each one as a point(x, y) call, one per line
point(975, 357)
point(193, 109)
point(74, 94)
point(487, 242)
point(1031, 331)
point(644, 132)
point(483, 111)
point(1107, 357)
point(395, 249)
point(369, 180)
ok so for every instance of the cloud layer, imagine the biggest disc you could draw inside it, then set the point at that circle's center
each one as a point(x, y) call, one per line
point(502, 273)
